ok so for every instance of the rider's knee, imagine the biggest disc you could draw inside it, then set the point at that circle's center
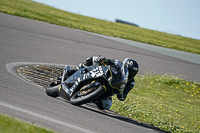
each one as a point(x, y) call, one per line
point(104, 104)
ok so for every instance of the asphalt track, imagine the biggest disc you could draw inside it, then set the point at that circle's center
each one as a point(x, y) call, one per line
point(24, 40)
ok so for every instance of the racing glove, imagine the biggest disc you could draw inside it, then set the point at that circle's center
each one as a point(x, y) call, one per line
point(99, 60)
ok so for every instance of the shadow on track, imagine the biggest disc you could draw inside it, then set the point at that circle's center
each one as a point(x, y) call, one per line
point(113, 114)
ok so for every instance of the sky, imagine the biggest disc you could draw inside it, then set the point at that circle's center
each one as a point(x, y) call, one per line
point(179, 17)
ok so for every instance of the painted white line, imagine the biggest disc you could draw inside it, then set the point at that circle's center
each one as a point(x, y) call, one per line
point(45, 118)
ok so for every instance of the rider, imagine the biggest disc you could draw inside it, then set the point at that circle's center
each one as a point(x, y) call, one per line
point(131, 65)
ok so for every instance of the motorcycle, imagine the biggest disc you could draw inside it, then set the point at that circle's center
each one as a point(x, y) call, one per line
point(90, 84)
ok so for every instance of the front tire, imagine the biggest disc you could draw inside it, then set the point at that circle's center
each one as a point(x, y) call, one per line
point(76, 99)
point(52, 89)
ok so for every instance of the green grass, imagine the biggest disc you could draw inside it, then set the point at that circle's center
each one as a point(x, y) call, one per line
point(33, 10)
point(11, 125)
point(167, 102)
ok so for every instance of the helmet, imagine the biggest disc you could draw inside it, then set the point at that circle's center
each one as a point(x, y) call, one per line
point(132, 66)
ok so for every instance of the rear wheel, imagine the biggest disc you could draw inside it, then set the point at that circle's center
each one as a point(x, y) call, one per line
point(52, 89)
point(87, 94)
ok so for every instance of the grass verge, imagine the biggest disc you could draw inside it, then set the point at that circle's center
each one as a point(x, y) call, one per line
point(167, 102)
point(11, 125)
point(33, 10)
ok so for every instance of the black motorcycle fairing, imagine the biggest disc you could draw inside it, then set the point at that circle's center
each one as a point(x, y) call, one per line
point(112, 78)
point(83, 75)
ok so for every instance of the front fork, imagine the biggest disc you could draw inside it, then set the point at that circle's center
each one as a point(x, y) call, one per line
point(67, 68)
point(62, 91)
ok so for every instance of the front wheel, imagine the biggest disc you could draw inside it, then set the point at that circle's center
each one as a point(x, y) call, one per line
point(52, 89)
point(87, 94)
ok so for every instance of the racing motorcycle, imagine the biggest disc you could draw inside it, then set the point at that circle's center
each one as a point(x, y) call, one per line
point(90, 84)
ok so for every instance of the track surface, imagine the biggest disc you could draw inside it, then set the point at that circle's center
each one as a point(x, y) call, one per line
point(24, 40)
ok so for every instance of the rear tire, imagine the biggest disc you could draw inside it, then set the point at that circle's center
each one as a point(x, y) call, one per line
point(52, 89)
point(76, 100)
